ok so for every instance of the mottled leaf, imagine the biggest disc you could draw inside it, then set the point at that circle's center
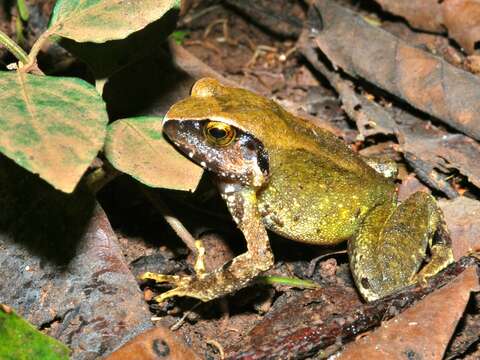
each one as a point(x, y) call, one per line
point(51, 126)
point(105, 59)
point(136, 146)
point(102, 20)
point(19, 340)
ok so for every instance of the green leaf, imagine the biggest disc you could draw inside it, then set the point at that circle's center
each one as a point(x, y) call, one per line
point(137, 147)
point(102, 20)
point(19, 340)
point(22, 10)
point(109, 57)
point(51, 126)
point(281, 280)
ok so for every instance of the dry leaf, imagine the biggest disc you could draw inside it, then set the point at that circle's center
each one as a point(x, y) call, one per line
point(460, 17)
point(405, 336)
point(158, 343)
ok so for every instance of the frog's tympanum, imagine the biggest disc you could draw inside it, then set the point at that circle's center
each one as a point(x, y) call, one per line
point(278, 172)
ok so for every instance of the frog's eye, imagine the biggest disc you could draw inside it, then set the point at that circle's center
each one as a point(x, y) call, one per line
point(219, 133)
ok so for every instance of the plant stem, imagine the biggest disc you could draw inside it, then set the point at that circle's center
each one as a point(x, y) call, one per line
point(37, 46)
point(171, 220)
point(100, 177)
point(13, 47)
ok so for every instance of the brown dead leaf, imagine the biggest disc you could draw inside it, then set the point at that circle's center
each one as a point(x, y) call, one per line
point(153, 344)
point(193, 66)
point(462, 216)
point(409, 186)
point(440, 149)
point(405, 335)
point(423, 80)
point(460, 17)
point(422, 14)
point(472, 63)
point(436, 44)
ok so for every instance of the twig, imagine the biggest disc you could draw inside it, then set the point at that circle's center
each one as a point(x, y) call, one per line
point(174, 223)
point(180, 322)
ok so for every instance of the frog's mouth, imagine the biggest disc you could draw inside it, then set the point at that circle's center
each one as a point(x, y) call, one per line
point(243, 159)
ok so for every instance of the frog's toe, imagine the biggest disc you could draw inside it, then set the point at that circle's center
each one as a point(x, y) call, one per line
point(183, 286)
point(182, 291)
point(170, 279)
point(420, 279)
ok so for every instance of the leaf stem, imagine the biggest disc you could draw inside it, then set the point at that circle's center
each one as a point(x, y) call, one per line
point(100, 177)
point(37, 46)
point(14, 48)
point(171, 220)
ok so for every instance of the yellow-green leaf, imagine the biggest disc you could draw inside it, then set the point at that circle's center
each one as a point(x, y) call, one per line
point(51, 126)
point(19, 340)
point(102, 20)
point(137, 147)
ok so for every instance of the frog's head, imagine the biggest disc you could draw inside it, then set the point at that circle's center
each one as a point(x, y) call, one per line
point(212, 127)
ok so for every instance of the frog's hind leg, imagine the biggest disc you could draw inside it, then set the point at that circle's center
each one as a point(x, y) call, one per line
point(392, 243)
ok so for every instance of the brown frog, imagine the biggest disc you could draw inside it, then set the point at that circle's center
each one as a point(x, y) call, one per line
point(278, 172)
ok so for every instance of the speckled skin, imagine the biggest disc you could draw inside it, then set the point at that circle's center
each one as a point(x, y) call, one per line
point(306, 185)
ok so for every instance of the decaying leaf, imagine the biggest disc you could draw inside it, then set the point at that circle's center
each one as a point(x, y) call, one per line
point(426, 82)
point(423, 14)
point(404, 337)
point(462, 216)
point(438, 148)
point(51, 126)
point(156, 343)
point(136, 146)
point(102, 20)
point(460, 17)
point(19, 340)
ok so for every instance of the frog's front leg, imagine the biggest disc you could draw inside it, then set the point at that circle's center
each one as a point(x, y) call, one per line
point(389, 249)
point(236, 273)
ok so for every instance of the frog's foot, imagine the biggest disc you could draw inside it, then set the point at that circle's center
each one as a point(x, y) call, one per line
point(191, 286)
point(442, 256)
point(181, 283)
point(233, 276)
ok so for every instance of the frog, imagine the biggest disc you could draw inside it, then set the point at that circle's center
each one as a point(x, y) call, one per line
point(279, 172)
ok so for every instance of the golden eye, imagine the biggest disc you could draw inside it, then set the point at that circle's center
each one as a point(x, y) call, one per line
point(219, 133)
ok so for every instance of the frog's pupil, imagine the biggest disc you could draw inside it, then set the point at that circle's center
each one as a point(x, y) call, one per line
point(217, 133)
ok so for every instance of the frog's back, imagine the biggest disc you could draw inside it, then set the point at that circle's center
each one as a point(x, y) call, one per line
point(319, 194)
